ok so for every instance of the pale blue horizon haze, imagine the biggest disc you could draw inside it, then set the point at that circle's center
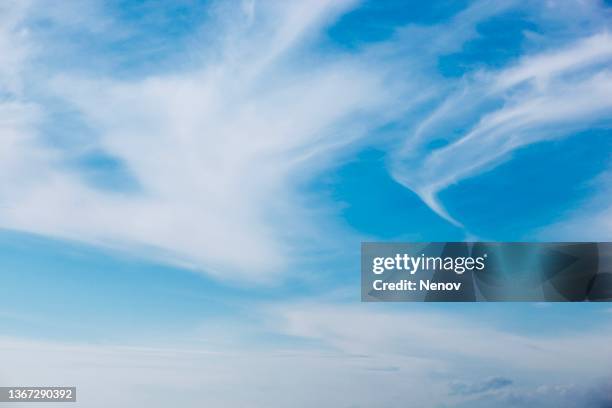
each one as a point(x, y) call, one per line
point(184, 187)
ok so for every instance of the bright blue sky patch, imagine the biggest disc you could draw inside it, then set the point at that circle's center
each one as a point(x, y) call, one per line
point(374, 204)
point(533, 189)
point(500, 41)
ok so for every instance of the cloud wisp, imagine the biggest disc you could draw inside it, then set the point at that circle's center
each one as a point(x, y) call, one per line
point(490, 384)
point(542, 97)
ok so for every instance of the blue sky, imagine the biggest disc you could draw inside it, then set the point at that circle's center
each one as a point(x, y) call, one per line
point(184, 186)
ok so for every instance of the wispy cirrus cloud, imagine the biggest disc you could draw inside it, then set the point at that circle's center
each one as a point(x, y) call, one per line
point(487, 385)
point(451, 341)
point(213, 150)
point(216, 147)
point(543, 97)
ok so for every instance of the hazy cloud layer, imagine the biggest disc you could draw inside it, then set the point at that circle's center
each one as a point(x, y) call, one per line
point(331, 355)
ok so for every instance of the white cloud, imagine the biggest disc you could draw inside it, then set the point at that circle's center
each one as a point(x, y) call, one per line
point(451, 340)
point(12, 56)
point(214, 150)
point(216, 146)
point(158, 377)
point(542, 97)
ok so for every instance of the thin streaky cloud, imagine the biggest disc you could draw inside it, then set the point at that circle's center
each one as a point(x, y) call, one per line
point(543, 97)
